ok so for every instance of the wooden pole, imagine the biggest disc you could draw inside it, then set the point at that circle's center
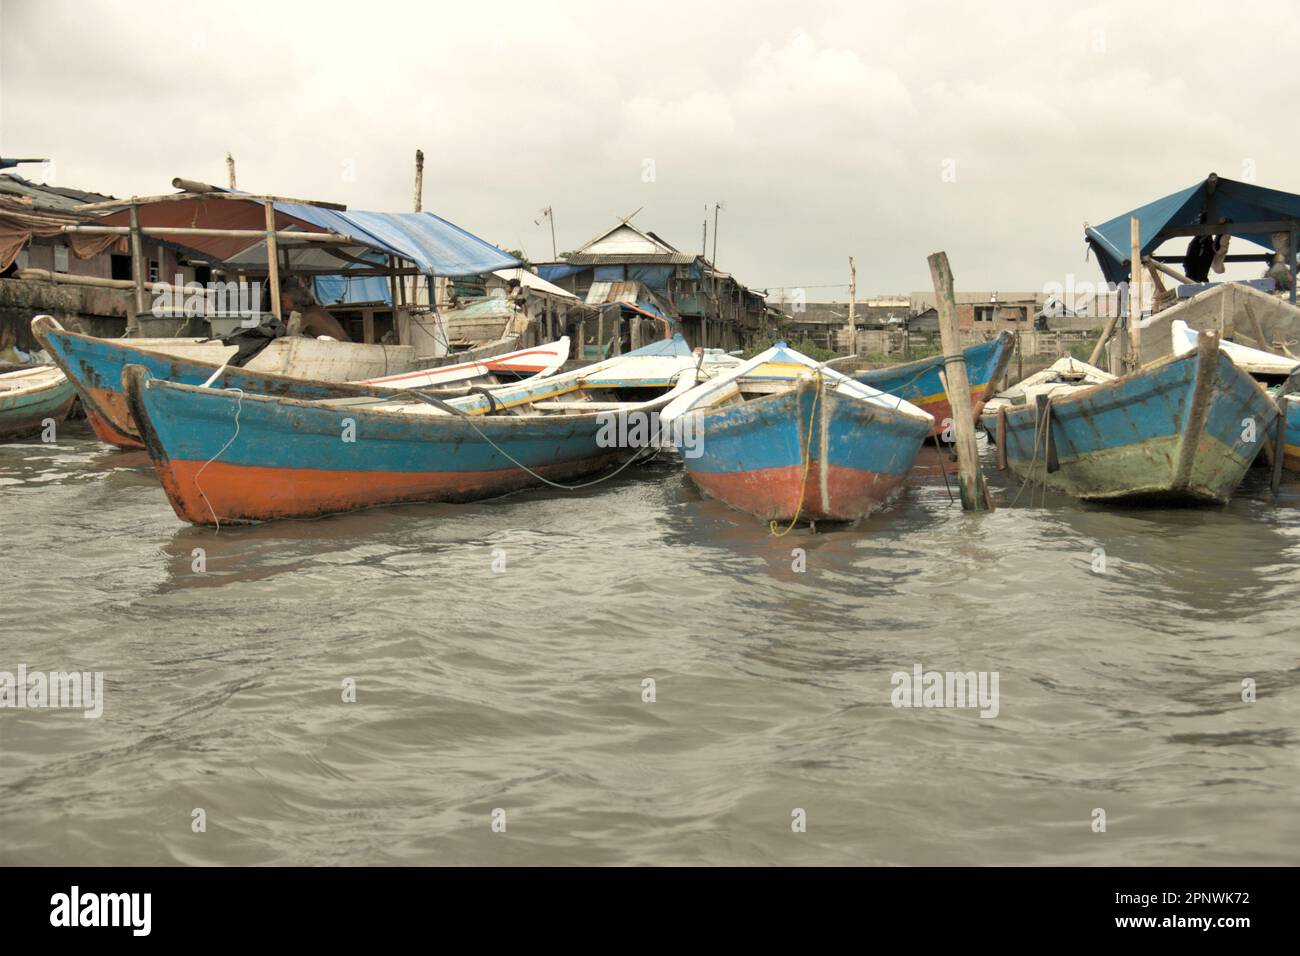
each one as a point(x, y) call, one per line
point(850, 348)
point(974, 492)
point(137, 262)
point(230, 169)
point(419, 180)
point(1290, 386)
point(1135, 293)
point(273, 261)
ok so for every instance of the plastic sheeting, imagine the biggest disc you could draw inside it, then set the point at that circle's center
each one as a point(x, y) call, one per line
point(351, 290)
point(436, 246)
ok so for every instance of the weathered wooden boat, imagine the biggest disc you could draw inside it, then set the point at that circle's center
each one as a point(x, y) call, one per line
point(31, 396)
point(921, 385)
point(229, 457)
point(1182, 430)
point(1265, 367)
point(290, 367)
point(784, 438)
point(1063, 375)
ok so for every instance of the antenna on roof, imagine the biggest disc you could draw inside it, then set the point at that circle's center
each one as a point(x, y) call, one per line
point(624, 219)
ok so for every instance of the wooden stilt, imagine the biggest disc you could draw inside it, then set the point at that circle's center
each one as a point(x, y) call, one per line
point(974, 491)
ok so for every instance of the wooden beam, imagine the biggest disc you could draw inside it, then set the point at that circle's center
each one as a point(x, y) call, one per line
point(137, 261)
point(1135, 293)
point(273, 261)
point(284, 235)
point(183, 196)
point(974, 492)
point(1227, 228)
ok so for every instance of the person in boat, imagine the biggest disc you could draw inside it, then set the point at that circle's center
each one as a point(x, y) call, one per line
point(1200, 255)
point(295, 296)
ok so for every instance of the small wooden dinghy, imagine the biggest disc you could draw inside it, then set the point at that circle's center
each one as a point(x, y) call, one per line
point(1062, 376)
point(31, 396)
point(290, 367)
point(920, 383)
point(229, 457)
point(787, 439)
point(1182, 430)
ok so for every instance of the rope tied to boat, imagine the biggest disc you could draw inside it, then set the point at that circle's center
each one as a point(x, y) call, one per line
point(807, 463)
point(230, 441)
point(494, 404)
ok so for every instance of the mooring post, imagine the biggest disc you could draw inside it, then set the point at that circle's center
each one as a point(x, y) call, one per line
point(974, 491)
point(1289, 387)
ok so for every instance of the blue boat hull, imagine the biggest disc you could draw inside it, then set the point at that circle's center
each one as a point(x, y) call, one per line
point(1181, 431)
point(783, 456)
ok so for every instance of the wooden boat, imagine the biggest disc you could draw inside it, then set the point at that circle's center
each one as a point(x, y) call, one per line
point(1061, 376)
point(785, 438)
point(919, 382)
point(290, 367)
point(31, 396)
point(229, 457)
point(1173, 432)
point(1263, 366)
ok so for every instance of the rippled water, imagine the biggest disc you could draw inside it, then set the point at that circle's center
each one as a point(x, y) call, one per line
point(522, 690)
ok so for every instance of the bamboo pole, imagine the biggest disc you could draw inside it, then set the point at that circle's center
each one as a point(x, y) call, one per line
point(284, 235)
point(853, 301)
point(230, 169)
point(419, 180)
point(974, 492)
point(273, 260)
point(137, 261)
point(1135, 293)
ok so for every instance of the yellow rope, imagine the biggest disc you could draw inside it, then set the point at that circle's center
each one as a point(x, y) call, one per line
point(807, 462)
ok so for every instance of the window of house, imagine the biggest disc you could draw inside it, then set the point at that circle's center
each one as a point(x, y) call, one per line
point(60, 258)
point(120, 266)
point(984, 313)
point(155, 270)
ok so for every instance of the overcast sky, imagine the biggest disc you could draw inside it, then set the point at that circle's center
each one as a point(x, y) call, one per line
point(888, 132)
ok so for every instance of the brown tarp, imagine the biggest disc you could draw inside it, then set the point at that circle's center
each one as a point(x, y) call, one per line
point(19, 223)
point(200, 214)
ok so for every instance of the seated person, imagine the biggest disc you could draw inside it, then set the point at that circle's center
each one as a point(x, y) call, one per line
point(296, 296)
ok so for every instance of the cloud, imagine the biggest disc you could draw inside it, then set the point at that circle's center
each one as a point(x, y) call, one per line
point(823, 128)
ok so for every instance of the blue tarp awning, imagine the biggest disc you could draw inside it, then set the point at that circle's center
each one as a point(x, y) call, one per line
point(351, 290)
point(1240, 202)
point(436, 246)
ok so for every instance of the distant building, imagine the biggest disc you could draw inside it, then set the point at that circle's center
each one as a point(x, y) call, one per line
point(31, 217)
point(710, 307)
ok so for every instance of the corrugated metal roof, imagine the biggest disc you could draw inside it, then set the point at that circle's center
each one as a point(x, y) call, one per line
point(609, 258)
point(57, 197)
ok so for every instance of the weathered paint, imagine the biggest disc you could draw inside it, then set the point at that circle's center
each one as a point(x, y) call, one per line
point(752, 455)
point(224, 457)
point(823, 447)
point(95, 367)
point(28, 397)
point(1291, 460)
point(919, 381)
point(1146, 436)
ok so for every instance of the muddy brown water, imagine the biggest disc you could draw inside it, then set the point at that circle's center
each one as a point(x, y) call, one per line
point(521, 688)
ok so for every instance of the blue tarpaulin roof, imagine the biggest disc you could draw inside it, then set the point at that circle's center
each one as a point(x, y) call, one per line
point(436, 246)
point(1240, 202)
